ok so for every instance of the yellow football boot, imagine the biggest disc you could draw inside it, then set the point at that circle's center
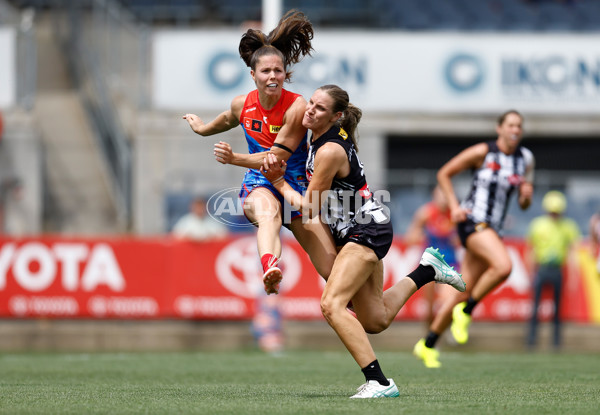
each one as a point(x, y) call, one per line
point(460, 323)
point(429, 356)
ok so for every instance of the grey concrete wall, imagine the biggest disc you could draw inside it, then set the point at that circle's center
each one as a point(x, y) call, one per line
point(185, 335)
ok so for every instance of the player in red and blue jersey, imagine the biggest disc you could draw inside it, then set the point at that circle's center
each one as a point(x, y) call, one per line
point(261, 127)
point(271, 118)
point(432, 225)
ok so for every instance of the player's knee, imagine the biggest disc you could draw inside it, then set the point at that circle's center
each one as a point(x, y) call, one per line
point(503, 270)
point(324, 268)
point(374, 321)
point(369, 258)
point(374, 326)
point(330, 306)
point(326, 309)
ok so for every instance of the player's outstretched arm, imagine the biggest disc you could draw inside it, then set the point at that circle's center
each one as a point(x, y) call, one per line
point(223, 122)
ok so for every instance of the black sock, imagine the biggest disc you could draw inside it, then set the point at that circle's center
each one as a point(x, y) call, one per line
point(373, 372)
point(471, 303)
point(431, 339)
point(422, 275)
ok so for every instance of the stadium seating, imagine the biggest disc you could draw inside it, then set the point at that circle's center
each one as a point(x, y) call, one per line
point(587, 15)
point(411, 15)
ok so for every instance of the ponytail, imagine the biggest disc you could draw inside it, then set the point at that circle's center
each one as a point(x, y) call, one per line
point(349, 122)
point(290, 40)
point(351, 114)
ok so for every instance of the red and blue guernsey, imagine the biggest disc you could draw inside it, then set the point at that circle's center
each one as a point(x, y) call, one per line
point(439, 231)
point(260, 128)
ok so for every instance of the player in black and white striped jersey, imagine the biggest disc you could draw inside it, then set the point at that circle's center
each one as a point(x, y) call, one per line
point(501, 168)
point(362, 231)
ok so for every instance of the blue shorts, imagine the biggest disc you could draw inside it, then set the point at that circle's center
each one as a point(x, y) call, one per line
point(254, 179)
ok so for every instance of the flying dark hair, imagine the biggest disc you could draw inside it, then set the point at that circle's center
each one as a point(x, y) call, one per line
point(351, 114)
point(290, 40)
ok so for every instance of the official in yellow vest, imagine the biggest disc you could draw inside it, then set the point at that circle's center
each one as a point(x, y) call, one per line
point(551, 237)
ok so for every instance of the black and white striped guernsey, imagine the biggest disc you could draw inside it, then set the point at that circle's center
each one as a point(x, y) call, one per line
point(494, 183)
point(350, 202)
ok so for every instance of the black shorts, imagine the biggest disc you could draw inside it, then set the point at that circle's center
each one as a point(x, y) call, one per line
point(468, 227)
point(377, 236)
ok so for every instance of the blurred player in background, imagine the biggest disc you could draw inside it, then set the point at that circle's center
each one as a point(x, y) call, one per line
point(431, 225)
point(271, 118)
point(267, 324)
point(339, 194)
point(500, 168)
point(551, 237)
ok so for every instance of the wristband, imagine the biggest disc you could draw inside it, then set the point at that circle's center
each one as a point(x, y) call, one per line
point(277, 180)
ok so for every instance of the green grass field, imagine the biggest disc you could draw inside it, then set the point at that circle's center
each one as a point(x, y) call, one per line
point(295, 383)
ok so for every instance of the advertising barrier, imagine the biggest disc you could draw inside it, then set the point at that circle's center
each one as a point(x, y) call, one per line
point(547, 73)
point(155, 278)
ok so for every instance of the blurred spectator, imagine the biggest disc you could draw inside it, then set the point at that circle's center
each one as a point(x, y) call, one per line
point(15, 215)
point(595, 237)
point(197, 224)
point(551, 237)
point(14, 220)
point(431, 225)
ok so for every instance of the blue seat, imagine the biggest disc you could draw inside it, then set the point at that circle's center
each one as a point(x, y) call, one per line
point(407, 14)
point(238, 11)
point(178, 11)
point(555, 17)
point(586, 15)
point(518, 16)
point(481, 15)
point(416, 20)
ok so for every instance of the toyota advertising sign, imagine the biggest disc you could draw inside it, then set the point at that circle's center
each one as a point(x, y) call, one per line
point(154, 278)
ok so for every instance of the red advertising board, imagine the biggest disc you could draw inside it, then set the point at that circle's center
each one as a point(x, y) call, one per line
point(156, 278)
